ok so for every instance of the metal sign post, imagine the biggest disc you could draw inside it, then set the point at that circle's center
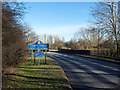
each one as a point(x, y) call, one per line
point(45, 56)
point(34, 60)
point(31, 57)
point(38, 61)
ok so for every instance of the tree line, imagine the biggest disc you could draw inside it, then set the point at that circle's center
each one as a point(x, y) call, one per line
point(102, 36)
point(55, 41)
point(15, 34)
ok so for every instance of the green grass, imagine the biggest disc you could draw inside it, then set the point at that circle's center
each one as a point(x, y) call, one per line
point(102, 58)
point(48, 75)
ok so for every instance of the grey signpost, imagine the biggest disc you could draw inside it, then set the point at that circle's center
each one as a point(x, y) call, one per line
point(38, 59)
point(34, 60)
point(31, 57)
point(45, 56)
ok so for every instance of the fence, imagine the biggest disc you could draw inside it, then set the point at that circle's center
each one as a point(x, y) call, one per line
point(101, 53)
point(84, 52)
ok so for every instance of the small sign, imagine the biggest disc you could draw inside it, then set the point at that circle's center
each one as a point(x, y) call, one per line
point(38, 54)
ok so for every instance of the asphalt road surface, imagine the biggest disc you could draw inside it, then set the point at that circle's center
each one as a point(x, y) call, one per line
point(88, 74)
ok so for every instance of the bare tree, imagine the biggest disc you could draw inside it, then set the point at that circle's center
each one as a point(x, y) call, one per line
point(29, 35)
point(50, 41)
point(106, 17)
point(86, 37)
point(13, 41)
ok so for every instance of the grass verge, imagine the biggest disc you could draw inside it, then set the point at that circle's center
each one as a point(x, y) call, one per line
point(43, 76)
point(101, 58)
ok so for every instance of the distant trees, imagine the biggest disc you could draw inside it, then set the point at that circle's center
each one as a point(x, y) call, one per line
point(50, 41)
point(72, 44)
point(86, 38)
point(55, 42)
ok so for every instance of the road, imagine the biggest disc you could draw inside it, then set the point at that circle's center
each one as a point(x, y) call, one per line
point(88, 74)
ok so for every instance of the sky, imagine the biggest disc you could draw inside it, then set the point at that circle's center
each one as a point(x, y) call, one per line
point(63, 19)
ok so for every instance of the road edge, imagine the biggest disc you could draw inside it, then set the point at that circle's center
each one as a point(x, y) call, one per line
point(66, 77)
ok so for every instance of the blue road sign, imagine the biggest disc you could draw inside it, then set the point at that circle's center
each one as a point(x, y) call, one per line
point(38, 45)
point(38, 54)
point(35, 50)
